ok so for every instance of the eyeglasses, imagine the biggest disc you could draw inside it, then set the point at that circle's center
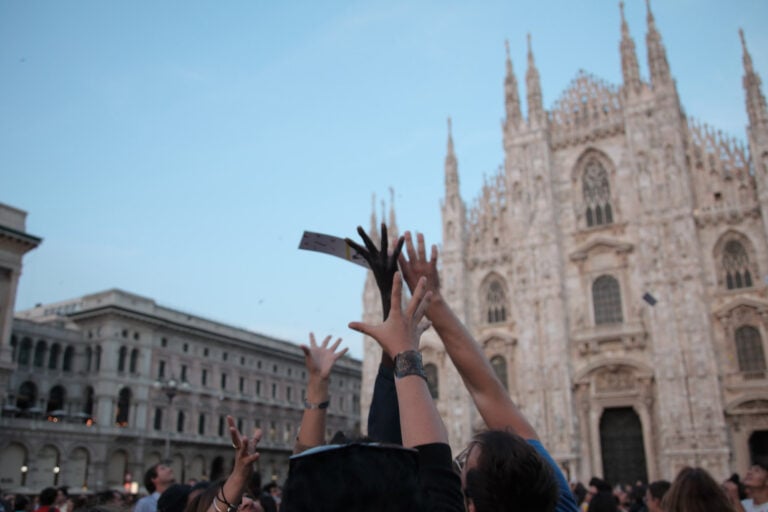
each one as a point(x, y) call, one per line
point(461, 459)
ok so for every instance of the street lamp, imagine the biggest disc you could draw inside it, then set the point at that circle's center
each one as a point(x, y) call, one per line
point(170, 387)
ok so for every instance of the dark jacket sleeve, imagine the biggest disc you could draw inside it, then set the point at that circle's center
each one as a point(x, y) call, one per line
point(440, 484)
point(384, 415)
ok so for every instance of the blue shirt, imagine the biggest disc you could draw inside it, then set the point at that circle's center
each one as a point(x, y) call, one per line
point(565, 502)
point(147, 503)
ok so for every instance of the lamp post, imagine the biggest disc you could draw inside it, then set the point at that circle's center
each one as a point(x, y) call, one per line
point(170, 387)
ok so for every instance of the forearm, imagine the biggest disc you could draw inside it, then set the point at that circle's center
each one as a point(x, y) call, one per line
point(383, 416)
point(489, 395)
point(420, 423)
point(231, 491)
point(312, 430)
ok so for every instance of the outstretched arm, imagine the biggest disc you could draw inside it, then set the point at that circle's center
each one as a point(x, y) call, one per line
point(399, 336)
point(491, 399)
point(383, 417)
point(232, 489)
point(319, 360)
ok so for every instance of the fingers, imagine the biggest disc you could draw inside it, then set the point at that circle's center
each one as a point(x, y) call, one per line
point(421, 249)
point(234, 433)
point(312, 342)
point(418, 295)
point(396, 252)
point(325, 341)
point(409, 247)
point(366, 240)
point(433, 256)
point(335, 345)
point(384, 240)
point(422, 308)
point(423, 326)
point(361, 327)
point(359, 249)
point(340, 354)
point(397, 293)
point(304, 349)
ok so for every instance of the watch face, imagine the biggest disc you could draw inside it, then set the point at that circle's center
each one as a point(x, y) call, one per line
point(409, 363)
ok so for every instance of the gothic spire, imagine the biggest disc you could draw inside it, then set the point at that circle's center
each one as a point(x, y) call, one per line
point(533, 89)
point(657, 55)
point(392, 226)
point(629, 66)
point(756, 108)
point(373, 230)
point(511, 95)
point(451, 166)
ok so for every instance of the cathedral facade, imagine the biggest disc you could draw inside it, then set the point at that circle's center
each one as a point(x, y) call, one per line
point(613, 271)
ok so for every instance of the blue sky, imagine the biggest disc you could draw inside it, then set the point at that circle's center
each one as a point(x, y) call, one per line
point(178, 149)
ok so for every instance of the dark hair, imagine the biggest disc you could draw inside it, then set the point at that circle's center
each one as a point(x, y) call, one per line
point(48, 496)
point(203, 501)
point(21, 502)
point(694, 490)
point(510, 475)
point(600, 484)
point(174, 498)
point(150, 475)
point(579, 492)
point(659, 488)
point(358, 477)
point(603, 501)
point(762, 462)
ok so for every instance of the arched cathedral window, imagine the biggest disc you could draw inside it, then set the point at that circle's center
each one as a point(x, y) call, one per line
point(606, 299)
point(430, 370)
point(597, 194)
point(495, 303)
point(736, 266)
point(749, 349)
point(499, 366)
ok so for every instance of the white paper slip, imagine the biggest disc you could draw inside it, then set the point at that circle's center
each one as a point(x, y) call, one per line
point(332, 245)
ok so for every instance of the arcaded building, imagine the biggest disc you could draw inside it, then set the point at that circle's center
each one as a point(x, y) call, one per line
point(613, 270)
point(98, 388)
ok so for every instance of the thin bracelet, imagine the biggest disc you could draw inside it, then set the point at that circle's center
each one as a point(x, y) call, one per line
point(224, 499)
point(216, 504)
point(319, 405)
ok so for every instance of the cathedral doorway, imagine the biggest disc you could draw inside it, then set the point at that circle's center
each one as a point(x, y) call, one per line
point(758, 445)
point(622, 446)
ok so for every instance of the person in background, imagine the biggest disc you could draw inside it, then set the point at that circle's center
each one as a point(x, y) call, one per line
point(694, 490)
point(157, 479)
point(21, 503)
point(756, 484)
point(655, 493)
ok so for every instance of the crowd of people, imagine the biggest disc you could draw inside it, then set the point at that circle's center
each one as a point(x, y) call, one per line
point(405, 463)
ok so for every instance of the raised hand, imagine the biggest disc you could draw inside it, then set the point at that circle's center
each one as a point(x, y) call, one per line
point(319, 359)
point(245, 449)
point(417, 265)
point(402, 329)
point(382, 264)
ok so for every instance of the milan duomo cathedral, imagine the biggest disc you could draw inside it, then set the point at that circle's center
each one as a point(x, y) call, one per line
point(614, 271)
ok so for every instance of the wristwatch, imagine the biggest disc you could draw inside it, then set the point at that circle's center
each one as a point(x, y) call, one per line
point(409, 363)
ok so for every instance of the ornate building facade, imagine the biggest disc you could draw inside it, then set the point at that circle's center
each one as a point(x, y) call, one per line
point(100, 387)
point(613, 270)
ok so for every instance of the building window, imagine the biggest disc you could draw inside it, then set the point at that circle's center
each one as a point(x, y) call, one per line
point(240, 424)
point(26, 398)
point(495, 302)
point(274, 368)
point(205, 352)
point(258, 388)
point(201, 424)
point(88, 402)
point(158, 424)
point(121, 357)
point(222, 425)
point(24, 352)
point(56, 398)
point(204, 377)
point(53, 357)
point(274, 390)
point(499, 366)
point(223, 381)
point(134, 360)
point(69, 355)
point(88, 358)
point(163, 342)
point(180, 422)
point(241, 385)
point(736, 266)
point(98, 358)
point(224, 356)
point(185, 347)
point(39, 359)
point(123, 407)
point(288, 393)
point(161, 370)
point(183, 373)
point(432, 380)
point(272, 430)
point(606, 299)
point(597, 194)
point(749, 348)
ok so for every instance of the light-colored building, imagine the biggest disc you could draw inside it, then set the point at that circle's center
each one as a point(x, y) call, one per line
point(101, 387)
point(613, 270)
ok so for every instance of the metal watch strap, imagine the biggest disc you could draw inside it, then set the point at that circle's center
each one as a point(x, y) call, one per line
point(409, 363)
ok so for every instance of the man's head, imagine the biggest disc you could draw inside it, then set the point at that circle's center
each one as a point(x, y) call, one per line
point(62, 495)
point(504, 472)
point(158, 478)
point(48, 496)
point(174, 498)
point(654, 494)
point(353, 477)
point(757, 476)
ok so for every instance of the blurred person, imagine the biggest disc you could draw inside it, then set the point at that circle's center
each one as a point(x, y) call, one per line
point(655, 493)
point(46, 499)
point(174, 498)
point(62, 501)
point(694, 490)
point(156, 480)
point(756, 484)
point(603, 501)
point(21, 503)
